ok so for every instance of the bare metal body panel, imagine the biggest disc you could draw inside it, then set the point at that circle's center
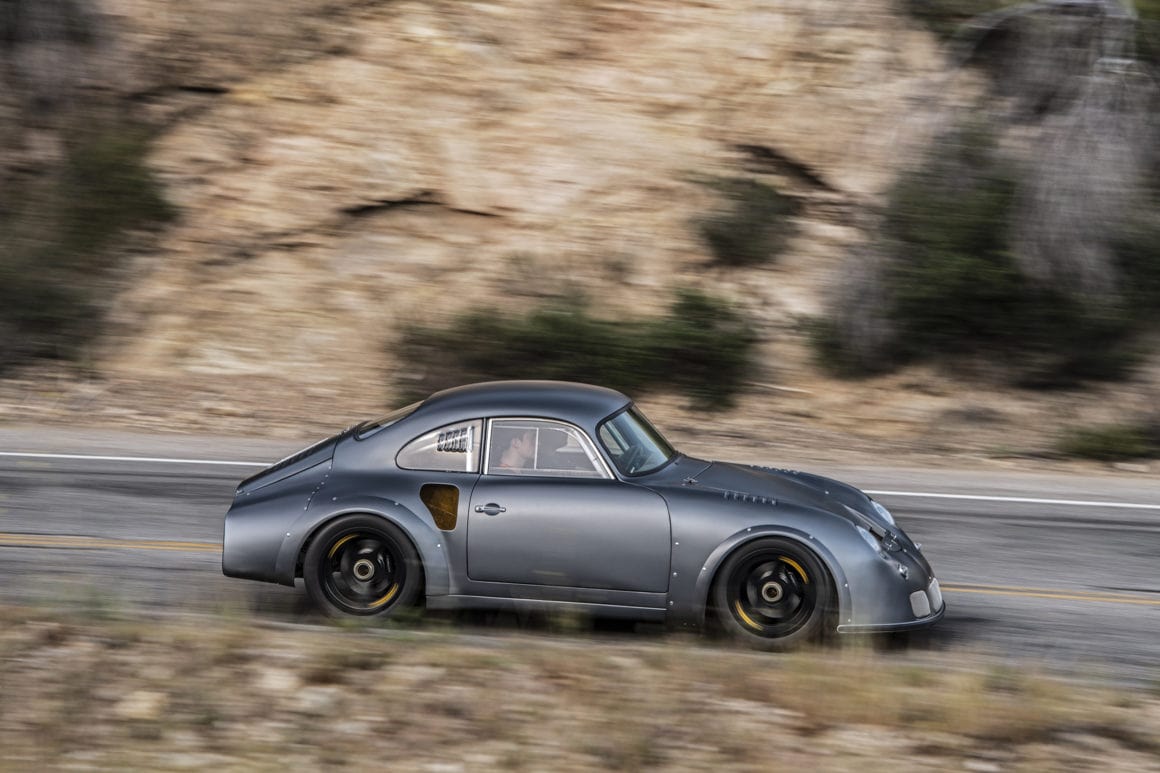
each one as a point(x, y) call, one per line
point(646, 546)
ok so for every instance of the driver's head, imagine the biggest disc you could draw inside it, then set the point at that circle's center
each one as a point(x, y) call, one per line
point(516, 446)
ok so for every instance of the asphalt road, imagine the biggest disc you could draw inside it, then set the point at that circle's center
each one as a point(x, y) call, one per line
point(1068, 582)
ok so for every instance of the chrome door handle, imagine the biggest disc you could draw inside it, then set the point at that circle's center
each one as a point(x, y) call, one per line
point(491, 508)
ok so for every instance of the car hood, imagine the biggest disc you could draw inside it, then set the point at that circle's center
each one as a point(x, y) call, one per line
point(738, 481)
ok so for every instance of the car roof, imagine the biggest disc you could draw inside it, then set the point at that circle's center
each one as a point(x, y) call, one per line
point(582, 404)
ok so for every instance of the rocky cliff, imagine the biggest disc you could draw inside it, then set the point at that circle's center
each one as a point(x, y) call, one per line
point(341, 167)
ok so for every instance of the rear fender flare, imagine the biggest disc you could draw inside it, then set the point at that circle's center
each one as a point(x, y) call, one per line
point(429, 543)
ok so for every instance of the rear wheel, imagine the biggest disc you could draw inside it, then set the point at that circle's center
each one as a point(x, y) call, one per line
point(362, 565)
point(772, 594)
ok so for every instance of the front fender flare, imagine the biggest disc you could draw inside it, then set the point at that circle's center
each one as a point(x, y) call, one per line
point(713, 563)
point(425, 537)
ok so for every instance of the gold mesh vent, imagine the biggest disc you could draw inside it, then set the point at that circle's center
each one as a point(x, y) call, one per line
point(442, 500)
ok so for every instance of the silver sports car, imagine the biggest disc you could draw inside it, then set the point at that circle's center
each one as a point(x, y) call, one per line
point(550, 495)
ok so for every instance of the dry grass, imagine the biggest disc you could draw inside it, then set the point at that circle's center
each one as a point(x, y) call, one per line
point(147, 694)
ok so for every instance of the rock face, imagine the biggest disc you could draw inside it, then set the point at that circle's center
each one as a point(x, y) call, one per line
point(343, 167)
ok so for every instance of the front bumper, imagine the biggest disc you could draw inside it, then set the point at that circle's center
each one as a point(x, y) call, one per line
point(889, 627)
point(927, 604)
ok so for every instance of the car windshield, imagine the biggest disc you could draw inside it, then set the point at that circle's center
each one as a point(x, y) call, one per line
point(634, 445)
point(371, 427)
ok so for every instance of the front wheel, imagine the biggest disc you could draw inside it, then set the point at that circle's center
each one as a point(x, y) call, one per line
point(772, 594)
point(363, 566)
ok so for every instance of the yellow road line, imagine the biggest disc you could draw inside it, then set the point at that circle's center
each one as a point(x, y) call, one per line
point(1051, 593)
point(71, 541)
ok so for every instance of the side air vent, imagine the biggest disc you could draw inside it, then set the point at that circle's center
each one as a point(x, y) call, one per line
point(741, 496)
point(778, 470)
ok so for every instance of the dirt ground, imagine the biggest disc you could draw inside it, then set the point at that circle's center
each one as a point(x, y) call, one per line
point(97, 689)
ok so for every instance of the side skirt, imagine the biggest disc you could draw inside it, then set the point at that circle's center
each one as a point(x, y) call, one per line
point(615, 611)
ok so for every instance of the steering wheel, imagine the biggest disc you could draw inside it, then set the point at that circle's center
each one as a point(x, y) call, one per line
point(631, 459)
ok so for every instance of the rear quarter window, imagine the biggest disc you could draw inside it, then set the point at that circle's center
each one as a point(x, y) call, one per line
point(451, 448)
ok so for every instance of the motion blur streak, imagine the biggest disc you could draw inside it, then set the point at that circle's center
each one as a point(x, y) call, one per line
point(150, 459)
point(65, 541)
point(1021, 500)
point(50, 541)
point(1050, 593)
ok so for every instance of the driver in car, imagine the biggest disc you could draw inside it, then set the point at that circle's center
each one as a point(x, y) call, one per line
point(517, 449)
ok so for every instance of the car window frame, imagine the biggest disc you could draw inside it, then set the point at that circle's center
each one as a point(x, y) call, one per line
point(604, 450)
point(478, 463)
point(606, 472)
point(372, 427)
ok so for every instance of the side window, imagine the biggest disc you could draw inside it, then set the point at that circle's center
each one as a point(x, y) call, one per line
point(454, 448)
point(541, 448)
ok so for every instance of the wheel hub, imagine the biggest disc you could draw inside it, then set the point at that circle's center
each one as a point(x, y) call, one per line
point(363, 569)
point(771, 592)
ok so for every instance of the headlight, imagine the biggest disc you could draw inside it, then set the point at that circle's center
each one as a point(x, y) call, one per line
point(870, 539)
point(880, 545)
point(882, 511)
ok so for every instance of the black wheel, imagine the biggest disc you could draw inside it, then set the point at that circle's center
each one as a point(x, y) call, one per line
point(772, 594)
point(362, 565)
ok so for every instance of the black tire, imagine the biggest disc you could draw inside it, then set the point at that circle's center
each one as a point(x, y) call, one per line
point(362, 566)
point(772, 594)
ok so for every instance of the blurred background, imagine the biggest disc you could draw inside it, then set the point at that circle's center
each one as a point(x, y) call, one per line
point(910, 225)
point(899, 233)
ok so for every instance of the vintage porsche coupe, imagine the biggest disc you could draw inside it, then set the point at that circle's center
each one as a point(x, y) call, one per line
point(552, 495)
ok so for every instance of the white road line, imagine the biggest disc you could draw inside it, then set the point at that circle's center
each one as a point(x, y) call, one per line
point(1022, 500)
point(915, 494)
point(133, 459)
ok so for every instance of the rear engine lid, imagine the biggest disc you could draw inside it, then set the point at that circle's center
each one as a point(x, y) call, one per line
point(293, 464)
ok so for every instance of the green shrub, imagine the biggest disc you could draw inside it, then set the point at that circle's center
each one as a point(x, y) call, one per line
point(1137, 253)
point(954, 289)
point(832, 351)
point(702, 347)
point(755, 226)
point(954, 282)
point(944, 17)
point(958, 290)
point(1148, 31)
point(1114, 442)
point(58, 239)
point(107, 189)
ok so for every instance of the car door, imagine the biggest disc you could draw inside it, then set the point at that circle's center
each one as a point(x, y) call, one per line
point(548, 511)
